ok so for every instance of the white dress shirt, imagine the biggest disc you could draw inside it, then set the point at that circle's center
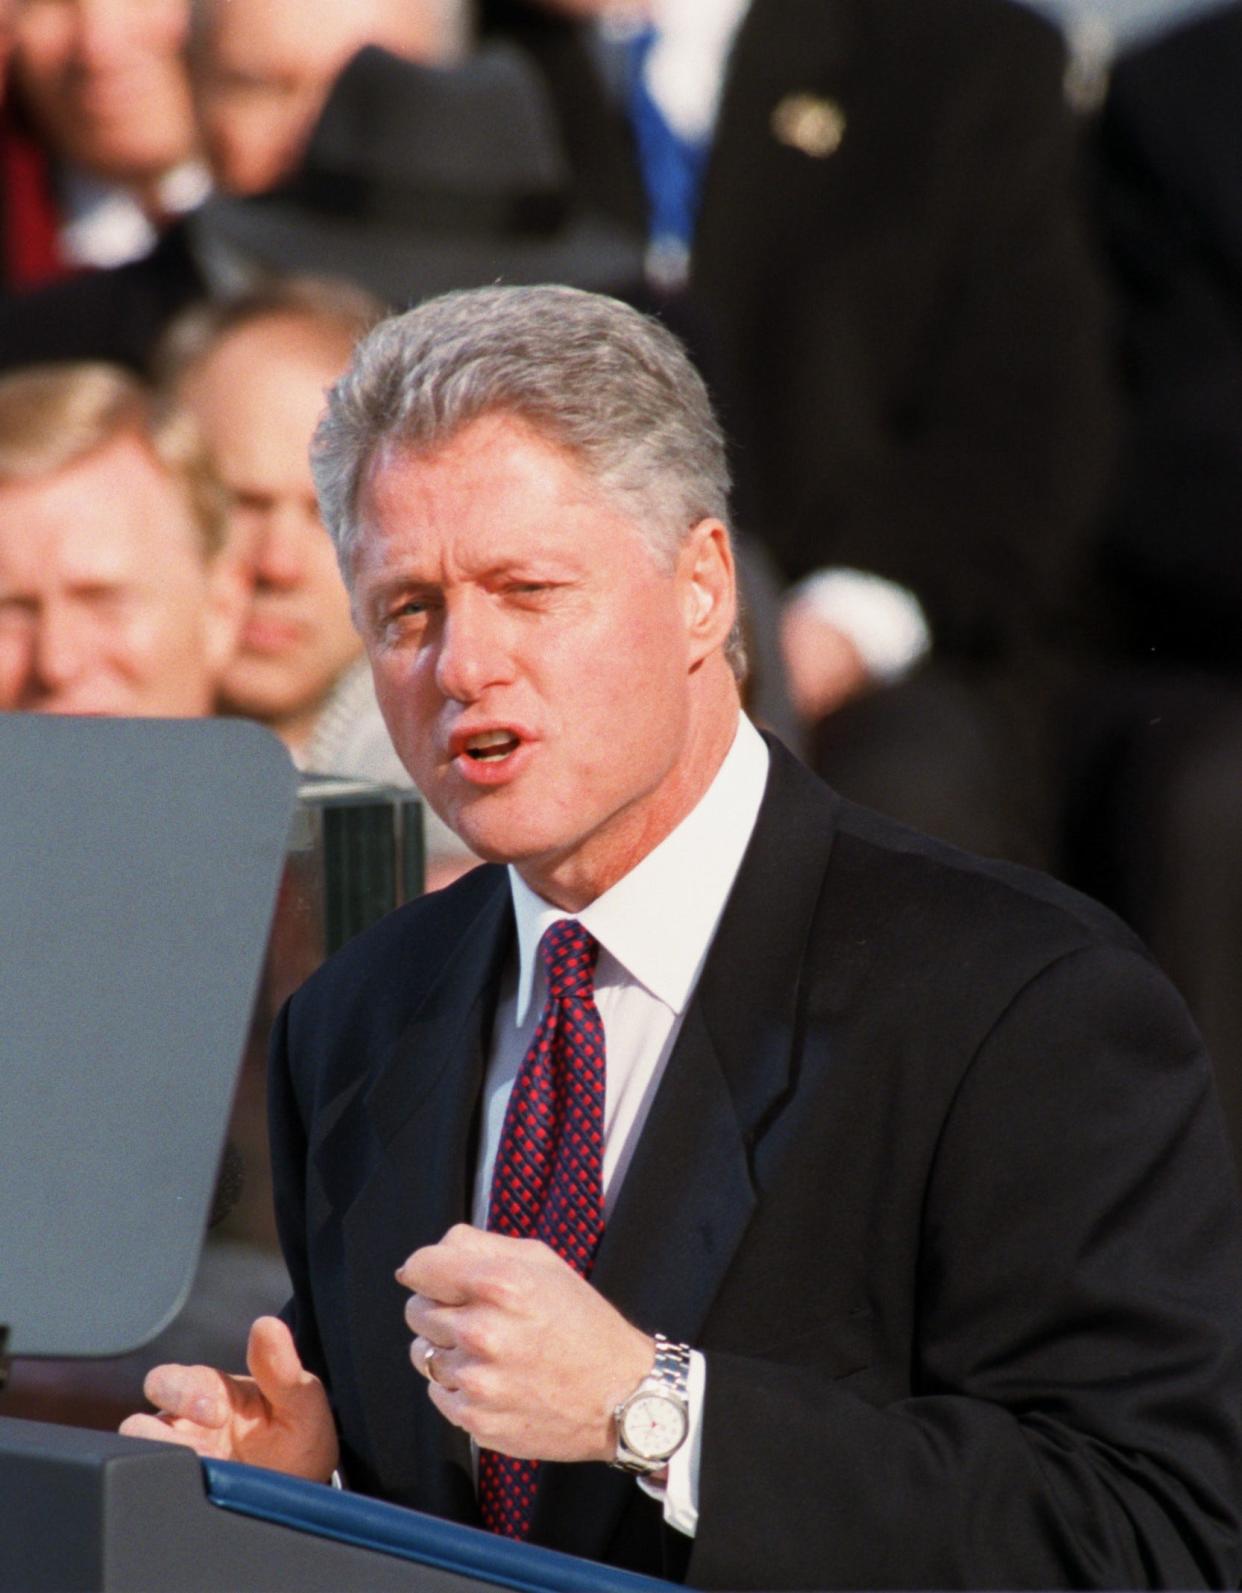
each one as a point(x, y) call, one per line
point(654, 929)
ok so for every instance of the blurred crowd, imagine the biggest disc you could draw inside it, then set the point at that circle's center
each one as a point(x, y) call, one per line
point(965, 278)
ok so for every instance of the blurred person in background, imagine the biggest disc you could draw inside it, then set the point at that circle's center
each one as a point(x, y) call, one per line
point(252, 373)
point(1154, 781)
point(99, 144)
point(263, 73)
point(117, 595)
point(259, 76)
point(866, 218)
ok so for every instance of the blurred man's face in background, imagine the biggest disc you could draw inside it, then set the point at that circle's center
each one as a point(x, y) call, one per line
point(106, 82)
point(263, 71)
point(257, 396)
point(108, 604)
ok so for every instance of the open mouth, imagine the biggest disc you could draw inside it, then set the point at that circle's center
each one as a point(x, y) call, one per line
point(492, 746)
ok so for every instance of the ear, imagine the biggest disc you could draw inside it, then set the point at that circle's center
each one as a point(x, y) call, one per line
point(708, 582)
point(230, 585)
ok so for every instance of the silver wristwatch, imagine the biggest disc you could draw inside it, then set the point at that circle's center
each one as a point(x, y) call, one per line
point(653, 1422)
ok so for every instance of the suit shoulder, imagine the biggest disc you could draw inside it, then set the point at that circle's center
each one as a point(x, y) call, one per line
point(951, 898)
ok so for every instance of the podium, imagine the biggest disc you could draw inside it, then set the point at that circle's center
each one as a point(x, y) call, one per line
point(85, 1512)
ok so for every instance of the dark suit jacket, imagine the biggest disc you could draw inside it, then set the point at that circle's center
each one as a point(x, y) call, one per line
point(907, 337)
point(935, 1178)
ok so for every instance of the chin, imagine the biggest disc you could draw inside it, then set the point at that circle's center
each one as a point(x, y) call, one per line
point(496, 843)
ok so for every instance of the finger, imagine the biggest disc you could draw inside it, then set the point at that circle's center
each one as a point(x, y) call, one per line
point(162, 1431)
point(432, 1361)
point(275, 1363)
point(452, 1405)
point(197, 1393)
point(453, 1271)
point(438, 1272)
point(431, 1320)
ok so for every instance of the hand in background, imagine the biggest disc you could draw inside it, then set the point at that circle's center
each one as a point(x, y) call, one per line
point(824, 667)
point(278, 1417)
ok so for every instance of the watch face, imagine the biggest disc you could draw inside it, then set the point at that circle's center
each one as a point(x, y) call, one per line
point(653, 1425)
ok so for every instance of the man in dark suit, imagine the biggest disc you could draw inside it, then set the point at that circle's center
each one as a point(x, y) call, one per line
point(891, 293)
point(895, 1244)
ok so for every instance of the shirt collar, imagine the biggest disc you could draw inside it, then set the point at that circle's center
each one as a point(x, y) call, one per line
point(658, 920)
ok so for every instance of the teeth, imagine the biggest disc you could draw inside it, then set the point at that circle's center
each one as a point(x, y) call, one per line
point(491, 745)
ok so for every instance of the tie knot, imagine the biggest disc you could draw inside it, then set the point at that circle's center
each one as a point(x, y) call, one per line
point(569, 954)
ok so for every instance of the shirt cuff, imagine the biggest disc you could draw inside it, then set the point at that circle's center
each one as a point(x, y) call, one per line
point(884, 621)
point(680, 1493)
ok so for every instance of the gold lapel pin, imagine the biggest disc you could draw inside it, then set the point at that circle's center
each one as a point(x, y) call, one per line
point(806, 122)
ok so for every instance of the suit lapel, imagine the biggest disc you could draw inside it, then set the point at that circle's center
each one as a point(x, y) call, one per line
point(689, 1192)
point(421, 1112)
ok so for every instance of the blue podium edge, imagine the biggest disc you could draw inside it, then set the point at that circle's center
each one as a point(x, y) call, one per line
point(410, 1535)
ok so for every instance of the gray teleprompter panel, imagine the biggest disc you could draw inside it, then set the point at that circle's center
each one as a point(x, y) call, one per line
point(139, 861)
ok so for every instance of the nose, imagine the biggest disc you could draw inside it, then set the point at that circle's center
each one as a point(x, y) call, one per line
point(473, 651)
point(280, 549)
point(59, 652)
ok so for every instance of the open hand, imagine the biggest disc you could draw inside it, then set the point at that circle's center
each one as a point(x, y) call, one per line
point(278, 1417)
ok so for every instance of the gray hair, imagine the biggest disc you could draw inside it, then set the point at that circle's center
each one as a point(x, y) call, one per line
point(612, 387)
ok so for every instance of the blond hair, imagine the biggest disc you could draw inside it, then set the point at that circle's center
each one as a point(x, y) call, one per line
point(51, 416)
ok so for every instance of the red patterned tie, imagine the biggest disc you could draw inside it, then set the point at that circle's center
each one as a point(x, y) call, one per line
point(548, 1179)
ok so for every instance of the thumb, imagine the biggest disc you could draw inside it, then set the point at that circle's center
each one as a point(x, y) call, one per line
point(275, 1364)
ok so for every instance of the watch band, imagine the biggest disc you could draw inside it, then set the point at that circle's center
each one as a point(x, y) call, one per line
point(669, 1380)
point(672, 1367)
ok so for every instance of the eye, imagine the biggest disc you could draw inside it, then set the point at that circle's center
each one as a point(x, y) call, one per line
point(533, 590)
point(408, 615)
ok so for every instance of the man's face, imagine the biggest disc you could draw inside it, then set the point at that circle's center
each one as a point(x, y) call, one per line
point(541, 675)
point(257, 397)
point(106, 604)
point(264, 71)
point(106, 82)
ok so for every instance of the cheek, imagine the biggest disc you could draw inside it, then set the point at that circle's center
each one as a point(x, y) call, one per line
point(626, 673)
point(163, 635)
point(409, 702)
point(165, 25)
point(328, 593)
point(14, 662)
